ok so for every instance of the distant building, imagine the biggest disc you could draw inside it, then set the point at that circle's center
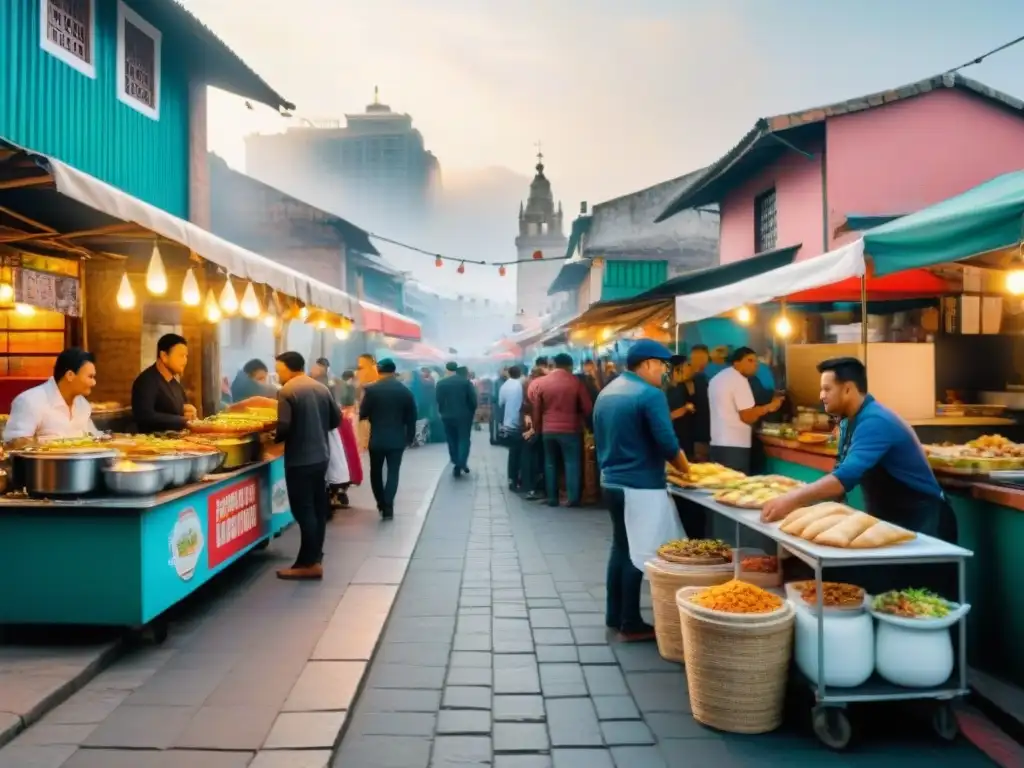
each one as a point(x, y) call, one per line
point(540, 229)
point(375, 168)
point(467, 323)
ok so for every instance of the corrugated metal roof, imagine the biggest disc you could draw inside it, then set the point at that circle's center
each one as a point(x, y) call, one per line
point(704, 188)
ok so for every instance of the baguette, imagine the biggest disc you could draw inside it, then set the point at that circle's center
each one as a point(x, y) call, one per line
point(882, 535)
point(798, 520)
point(842, 534)
point(821, 525)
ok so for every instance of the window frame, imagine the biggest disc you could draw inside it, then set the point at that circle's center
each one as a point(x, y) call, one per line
point(126, 14)
point(759, 200)
point(87, 68)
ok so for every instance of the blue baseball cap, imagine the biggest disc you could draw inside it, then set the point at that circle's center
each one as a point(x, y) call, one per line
point(647, 349)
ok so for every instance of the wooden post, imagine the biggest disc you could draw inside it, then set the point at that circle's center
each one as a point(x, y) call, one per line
point(209, 334)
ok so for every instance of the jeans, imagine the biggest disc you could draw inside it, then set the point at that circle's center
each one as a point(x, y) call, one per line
point(532, 466)
point(623, 582)
point(570, 449)
point(311, 504)
point(513, 438)
point(384, 490)
point(457, 433)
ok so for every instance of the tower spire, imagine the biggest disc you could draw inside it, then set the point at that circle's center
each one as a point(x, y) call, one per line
point(376, 94)
point(540, 157)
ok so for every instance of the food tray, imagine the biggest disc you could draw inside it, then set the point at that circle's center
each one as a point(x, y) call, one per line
point(956, 612)
point(794, 596)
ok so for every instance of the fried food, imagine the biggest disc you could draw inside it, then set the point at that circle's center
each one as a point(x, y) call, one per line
point(834, 594)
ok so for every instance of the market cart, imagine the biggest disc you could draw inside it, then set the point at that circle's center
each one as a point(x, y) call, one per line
point(829, 719)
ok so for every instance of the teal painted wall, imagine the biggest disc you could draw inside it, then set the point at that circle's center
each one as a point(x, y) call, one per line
point(51, 107)
point(625, 279)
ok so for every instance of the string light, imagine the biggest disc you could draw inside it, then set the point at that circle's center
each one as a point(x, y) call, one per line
point(303, 313)
point(6, 294)
point(125, 294)
point(228, 298)
point(783, 328)
point(212, 310)
point(438, 262)
point(250, 304)
point(156, 275)
point(1014, 282)
point(538, 255)
point(744, 316)
point(501, 271)
point(27, 310)
point(462, 268)
point(191, 296)
point(341, 334)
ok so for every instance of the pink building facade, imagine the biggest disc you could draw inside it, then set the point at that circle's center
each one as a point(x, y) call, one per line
point(887, 154)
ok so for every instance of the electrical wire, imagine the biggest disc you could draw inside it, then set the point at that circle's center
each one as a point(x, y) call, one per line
point(441, 257)
point(984, 56)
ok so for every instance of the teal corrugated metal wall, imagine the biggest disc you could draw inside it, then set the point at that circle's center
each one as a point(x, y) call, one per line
point(625, 279)
point(49, 106)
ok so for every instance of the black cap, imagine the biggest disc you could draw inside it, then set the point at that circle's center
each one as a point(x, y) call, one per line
point(451, 366)
point(386, 365)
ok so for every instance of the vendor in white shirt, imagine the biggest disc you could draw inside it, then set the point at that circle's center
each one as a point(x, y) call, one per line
point(56, 408)
point(734, 412)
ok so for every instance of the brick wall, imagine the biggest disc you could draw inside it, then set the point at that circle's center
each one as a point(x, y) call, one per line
point(114, 335)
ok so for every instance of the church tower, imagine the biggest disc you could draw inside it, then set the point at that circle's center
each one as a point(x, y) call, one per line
point(540, 229)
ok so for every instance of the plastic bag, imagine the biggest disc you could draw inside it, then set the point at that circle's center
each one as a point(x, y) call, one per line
point(337, 465)
point(651, 520)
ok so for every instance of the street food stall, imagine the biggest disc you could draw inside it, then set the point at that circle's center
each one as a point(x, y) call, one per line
point(115, 528)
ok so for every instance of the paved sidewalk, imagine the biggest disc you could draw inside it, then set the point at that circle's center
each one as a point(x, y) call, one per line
point(256, 671)
point(496, 654)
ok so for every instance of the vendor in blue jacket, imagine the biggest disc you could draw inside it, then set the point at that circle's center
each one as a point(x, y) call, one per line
point(634, 439)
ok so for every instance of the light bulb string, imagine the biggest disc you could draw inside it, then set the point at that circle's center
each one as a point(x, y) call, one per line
point(478, 262)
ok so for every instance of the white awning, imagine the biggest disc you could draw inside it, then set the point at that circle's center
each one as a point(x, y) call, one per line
point(829, 268)
point(237, 261)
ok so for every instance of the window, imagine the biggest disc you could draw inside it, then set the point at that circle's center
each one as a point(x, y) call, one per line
point(138, 62)
point(67, 32)
point(766, 229)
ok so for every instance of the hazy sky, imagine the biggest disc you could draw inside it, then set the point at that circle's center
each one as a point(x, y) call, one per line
point(623, 93)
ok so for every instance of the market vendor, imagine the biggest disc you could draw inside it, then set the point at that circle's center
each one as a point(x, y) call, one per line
point(158, 399)
point(58, 407)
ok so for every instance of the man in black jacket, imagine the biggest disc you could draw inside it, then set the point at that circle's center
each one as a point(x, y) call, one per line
point(391, 410)
point(456, 402)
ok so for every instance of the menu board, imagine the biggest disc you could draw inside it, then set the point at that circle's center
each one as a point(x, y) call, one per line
point(45, 290)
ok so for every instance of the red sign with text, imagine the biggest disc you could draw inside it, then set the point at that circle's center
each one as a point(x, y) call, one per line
point(233, 515)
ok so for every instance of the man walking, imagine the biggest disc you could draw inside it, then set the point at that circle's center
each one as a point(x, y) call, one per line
point(456, 403)
point(634, 436)
point(510, 403)
point(390, 408)
point(561, 405)
point(306, 413)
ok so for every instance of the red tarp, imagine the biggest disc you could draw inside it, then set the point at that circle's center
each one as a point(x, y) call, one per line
point(389, 323)
point(912, 284)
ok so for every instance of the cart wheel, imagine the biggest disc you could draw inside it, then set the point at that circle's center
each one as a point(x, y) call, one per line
point(944, 722)
point(262, 545)
point(832, 727)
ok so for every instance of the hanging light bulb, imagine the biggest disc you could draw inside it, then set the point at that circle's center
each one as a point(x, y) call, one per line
point(438, 262)
point(228, 298)
point(191, 296)
point(1014, 282)
point(6, 294)
point(744, 316)
point(341, 334)
point(321, 325)
point(538, 255)
point(156, 275)
point(250, 304)
point(462, 268)
point(501, 271)
point(783, 328)
point(125, 294)
point(270, 321)
point(27, 310)
point(303, 313)
point(212, 310)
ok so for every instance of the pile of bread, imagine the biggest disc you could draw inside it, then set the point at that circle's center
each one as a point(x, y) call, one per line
point(837, 525)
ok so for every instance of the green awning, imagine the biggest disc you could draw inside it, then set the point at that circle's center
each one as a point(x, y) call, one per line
point(858, 223)
point(987, 218)
point(722, 275)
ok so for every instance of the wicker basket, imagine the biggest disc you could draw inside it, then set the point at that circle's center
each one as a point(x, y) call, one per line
point(736, 670)
point(666, 580)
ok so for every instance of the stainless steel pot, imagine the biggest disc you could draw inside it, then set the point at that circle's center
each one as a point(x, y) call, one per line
point(142, 480)
point(50, 474)
point(176, 468)
point(238, 451)
point(205, 463)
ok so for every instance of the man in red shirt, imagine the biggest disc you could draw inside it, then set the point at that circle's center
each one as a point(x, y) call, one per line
point(561, 405)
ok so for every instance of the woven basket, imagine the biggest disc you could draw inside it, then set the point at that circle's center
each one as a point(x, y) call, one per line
point(736, 671)
point(664, 585)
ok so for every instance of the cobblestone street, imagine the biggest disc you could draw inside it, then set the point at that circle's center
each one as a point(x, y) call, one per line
point(495, 654)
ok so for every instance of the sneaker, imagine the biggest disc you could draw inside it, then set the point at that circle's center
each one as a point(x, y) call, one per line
point(639, 634)
point(302, 573)
point(387, 513)
point(343, 501)
point(456, 471)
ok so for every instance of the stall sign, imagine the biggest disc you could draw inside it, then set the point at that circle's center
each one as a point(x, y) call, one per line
point(233, 520)
point(46, 290)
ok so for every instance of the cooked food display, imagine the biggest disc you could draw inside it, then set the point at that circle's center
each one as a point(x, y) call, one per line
point(813, 438)
point(131, 466)
point(837, 525)
point(737, 597)
point(988, 453)
point(148, 446)
point(753, 492)
point(229, 424)
point(912, 604)
point(834, 594)
point(704, 475)
point(696, 551)
point(760, 564)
